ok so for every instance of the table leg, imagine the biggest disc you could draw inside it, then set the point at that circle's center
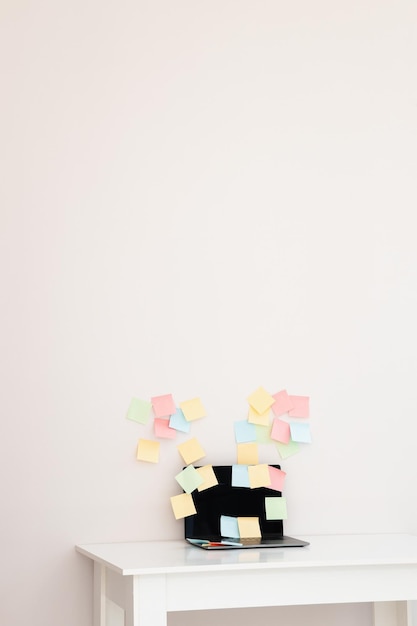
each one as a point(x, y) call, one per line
point(392, 614)
point(99, 601)
point(145, 603)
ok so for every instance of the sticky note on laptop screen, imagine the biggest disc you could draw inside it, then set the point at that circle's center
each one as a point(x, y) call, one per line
point(229, 526)
point(248, 527)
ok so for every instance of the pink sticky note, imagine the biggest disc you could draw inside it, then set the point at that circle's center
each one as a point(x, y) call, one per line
point(301, 406)
point(277, 479)
point(163, 406)
point(282, 403)
point(162, 429)
point(280, 431)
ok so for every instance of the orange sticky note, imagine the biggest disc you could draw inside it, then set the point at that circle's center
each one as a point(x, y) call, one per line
point(260, 419)
point(247, 453)
point(261, 400)
point(259, 476)
point(248, 527)
point(192, 409)
point(183, 505)
point(191, 451)
point(148, 451)
point(209, 477)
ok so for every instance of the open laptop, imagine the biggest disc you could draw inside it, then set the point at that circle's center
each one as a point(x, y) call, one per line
point(203, 529)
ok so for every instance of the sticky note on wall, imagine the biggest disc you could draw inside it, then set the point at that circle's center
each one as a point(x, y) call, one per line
point(247, 453)
point(261, 400)
point(192, 409)
point(191, 451)
point(282, 404)
point(280, 431)
point(163, 406)
point(148, 450)
point(139, 410)
point(301, 406)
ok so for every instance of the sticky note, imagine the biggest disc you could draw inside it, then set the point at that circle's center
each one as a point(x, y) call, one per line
point(183, 505)
point(280, 431)
point(282, 404)
point(261, 400)
point(275, 508)
point(162, 428)
point(263, 434)
point(191, 451)
point(192, 409)
point(287, 449)
point(277, 477)
point(229, 526)
point(240, 476)
point(300, 432)
point(259, 476)
point(139, 410)
point(301, 406)
point(260, 419)
point(248, 527)
point(209, 477)
point(148, 451)
point(189, 479)
point(163, 406)
point(244, 432)
point(178, 422)
point(247, 453)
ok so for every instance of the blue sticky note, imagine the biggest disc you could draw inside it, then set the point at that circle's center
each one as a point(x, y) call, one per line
point(178, 421)
point(229, 526)
point(245, 432)
point(240, 476)
point(300, 432)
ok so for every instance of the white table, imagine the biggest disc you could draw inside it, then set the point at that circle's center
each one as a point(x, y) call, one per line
point(149, 579)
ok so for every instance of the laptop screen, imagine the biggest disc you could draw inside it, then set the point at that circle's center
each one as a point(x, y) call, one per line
point(225, 499)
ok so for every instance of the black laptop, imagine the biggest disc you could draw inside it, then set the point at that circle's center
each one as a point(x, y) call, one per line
point(203, 529)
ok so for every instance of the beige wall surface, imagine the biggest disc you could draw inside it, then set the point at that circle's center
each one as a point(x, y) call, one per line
point(200, 198)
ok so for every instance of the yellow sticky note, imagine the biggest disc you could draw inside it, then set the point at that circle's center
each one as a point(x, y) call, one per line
point(148, 451)
point(192, 409)
point(183, 505)
point(247, 453)
point(209, 477)
point(259, 476)
point(260, 419)
point(248, 527)
point(261, 400)
point(191, 451)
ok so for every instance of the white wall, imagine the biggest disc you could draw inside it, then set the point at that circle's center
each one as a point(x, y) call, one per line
point(199, 198)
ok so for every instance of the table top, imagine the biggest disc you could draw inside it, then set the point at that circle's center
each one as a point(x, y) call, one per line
point(170, 557)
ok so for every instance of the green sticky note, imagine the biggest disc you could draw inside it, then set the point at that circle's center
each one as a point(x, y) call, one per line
point(287, 449)
point(189, 479)
point(263, 434)
point(139, 410)
point(275, 508)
